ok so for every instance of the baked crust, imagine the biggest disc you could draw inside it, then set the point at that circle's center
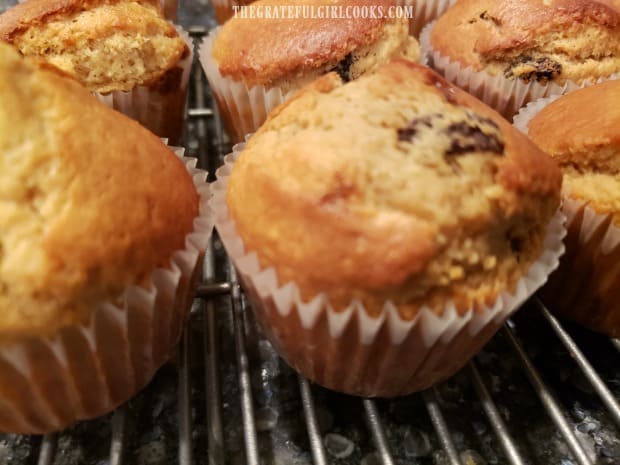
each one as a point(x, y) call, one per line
point(532, 39)
point(22, 16)
point(90, 201)
point(272, 50)
point(354, 191)
point(580, 131)
point(106, 45)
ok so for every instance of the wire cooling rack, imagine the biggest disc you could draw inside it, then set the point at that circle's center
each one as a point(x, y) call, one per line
point(539, 393)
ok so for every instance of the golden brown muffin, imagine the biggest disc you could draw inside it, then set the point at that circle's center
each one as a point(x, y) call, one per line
point(106, 45)
point(99, 247)
point(581, 131)
point(532, 40)
point(296, 51)
point(374, 225)
point(90, 202)
point(403, 187)
point(251, 71)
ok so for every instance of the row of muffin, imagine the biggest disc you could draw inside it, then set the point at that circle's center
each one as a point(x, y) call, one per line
point(507, 53)
point(384, 228)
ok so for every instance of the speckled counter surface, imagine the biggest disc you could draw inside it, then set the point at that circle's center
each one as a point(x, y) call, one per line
point(152, 417)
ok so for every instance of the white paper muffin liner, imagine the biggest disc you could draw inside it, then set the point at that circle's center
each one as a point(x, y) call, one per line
point(585, 288)
point(160, 111)
point(242, 108)
point(348, 350)
point(85, 370)
point(424, 11)
point(505, 95)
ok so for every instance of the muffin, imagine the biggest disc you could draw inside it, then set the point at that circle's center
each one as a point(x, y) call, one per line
point(581, 131)
point(224, 9)
point(253, 65)
point(510, 52)
point(384, 229)
point(168, 7)
point(124, 51)
point(101, 231)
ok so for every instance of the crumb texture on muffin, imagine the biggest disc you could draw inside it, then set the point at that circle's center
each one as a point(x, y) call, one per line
point(533, 40)
point(107, 46)
point(293, 52)
point(394, 186)
point(90, 202)
point(581, 132)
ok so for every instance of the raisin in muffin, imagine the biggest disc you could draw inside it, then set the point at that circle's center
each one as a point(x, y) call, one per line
point(101, 231)
point(581, 132)
point(252, 71)
point(397, 199)
point(110, 47)
point(546, 45)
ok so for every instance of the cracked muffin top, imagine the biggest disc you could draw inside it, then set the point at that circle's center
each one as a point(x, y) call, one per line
point(533, 40)
point(400, 185)
point(90, 201)
point(290, 53)
point(581, 131)
point(107, 45)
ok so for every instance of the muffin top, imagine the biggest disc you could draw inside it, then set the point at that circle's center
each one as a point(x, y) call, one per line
point(90, 201)
point(107, 45)
point(394, 186)
point(532, 40)
point(581, 131)
point(272, 51)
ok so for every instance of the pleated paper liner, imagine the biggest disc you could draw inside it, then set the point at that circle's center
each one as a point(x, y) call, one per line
point(85, 370)
point(351, 352)
point(505, 95)
point(161, 110)
point(586, 286)
point(243, 109)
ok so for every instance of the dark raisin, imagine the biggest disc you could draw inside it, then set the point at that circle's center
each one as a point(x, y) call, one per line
point(516, 244)
point(407, 133)
point(540, 69)
point(469, 136)
point(485, 16)
point(343, 67)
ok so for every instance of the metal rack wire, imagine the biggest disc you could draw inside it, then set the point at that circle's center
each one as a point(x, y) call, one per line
point(212, 450)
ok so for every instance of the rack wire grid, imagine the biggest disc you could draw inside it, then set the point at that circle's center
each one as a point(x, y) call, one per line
point(538, 393)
